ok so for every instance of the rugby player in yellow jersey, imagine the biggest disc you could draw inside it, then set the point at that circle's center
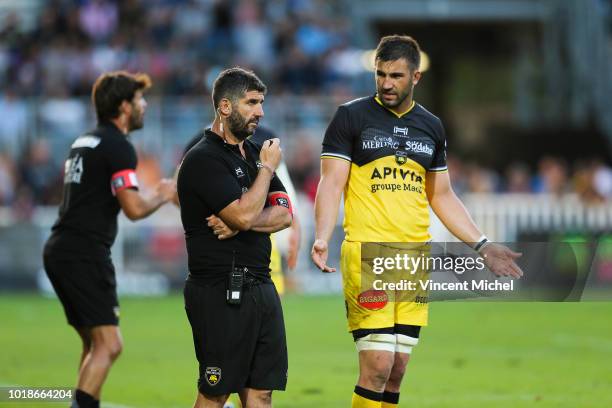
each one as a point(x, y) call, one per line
point(372, 146)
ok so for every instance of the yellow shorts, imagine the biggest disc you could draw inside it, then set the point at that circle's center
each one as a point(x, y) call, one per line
point(370, 307)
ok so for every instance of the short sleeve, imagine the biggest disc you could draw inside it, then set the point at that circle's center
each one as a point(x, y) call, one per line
point(212, 181)
point(438, 163)
point(338, 140)
point(276, 185)
point(122, 161)
point(122, 157)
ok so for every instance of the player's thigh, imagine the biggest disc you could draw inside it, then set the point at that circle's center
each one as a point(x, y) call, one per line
point(86, 289)
point(365, 308)
point(269, 366)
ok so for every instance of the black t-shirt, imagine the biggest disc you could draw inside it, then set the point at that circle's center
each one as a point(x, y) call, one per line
point(212, 175)
point(100, 163)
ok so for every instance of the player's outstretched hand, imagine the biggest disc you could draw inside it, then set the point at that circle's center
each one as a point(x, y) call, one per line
point(319, 255)
point(271, 153)
point(500, 260)
point(166, 189)
point(220, 229)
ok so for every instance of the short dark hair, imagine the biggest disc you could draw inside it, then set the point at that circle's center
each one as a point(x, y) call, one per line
point(233, 83)
point(394, 47)
point(112, 88)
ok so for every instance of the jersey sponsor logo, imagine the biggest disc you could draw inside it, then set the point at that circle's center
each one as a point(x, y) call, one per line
point(373, 299)
point(419, 147)
point(213, 375)
point(378, 142)
point(89, 141)
point(73, 170)
point(395, 173)
point(401, 180)
point(399, 131)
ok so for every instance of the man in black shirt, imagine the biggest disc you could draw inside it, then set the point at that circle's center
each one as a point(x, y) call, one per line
point(99, 181)
point(230, 202)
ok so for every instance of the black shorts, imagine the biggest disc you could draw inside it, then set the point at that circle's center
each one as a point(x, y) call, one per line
point(86, 288)
point(237, 346)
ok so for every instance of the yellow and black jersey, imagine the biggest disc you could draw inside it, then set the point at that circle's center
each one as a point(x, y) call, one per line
point(390, 154)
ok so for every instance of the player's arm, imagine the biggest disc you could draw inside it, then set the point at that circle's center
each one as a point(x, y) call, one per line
point(175, 197)
point(334, 175)
point(136, 206)
point(272, 219)
point(278, 213)
point(242, 213)
point(458, 221)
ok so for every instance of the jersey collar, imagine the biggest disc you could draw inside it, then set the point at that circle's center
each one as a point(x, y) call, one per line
point(398, 115)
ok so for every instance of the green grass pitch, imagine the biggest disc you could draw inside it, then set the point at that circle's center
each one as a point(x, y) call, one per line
point(473, 354)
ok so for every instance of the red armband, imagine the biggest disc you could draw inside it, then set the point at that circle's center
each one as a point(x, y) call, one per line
point(123, 179)
point(281, 199)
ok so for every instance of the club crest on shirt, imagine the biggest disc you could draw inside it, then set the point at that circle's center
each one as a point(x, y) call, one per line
point(401, 157)
point(213, 375)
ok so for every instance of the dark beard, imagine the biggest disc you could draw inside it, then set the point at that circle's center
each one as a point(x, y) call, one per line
point(238, 126)
point(400, 97)
point(136, 121)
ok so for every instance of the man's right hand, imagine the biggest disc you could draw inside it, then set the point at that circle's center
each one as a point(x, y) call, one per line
point(166, 189)
point(270, 154)
point(319, 255)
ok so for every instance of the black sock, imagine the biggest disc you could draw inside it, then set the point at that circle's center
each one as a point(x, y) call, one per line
point(391, 397)
point(369, 394)
point(84, 400)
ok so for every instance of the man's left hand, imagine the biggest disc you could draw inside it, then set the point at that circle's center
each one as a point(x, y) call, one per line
point(500, 260)
point(220, 229)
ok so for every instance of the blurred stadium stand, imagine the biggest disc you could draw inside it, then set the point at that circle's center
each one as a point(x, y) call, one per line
point(523, 88)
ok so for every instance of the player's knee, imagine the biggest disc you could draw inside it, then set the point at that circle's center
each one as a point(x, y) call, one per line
point(397, 372)
point(113, 348)
point(264, 397)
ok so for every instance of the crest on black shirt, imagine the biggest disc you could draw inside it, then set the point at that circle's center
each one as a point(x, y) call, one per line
point(401, 157)
point(213, 375)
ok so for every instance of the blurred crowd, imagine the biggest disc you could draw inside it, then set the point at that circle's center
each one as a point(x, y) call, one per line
point(36, 177)
point(299, 47)
point(296, 46)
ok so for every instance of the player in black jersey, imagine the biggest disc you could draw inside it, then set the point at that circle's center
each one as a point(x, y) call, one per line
point(99, 181)
point(387, 154)
point(228, 189)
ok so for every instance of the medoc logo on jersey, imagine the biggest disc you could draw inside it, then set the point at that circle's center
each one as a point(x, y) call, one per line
point(373, 139)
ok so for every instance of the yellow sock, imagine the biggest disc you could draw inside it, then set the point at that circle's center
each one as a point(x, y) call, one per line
point(390, 400)
point(363, 398)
